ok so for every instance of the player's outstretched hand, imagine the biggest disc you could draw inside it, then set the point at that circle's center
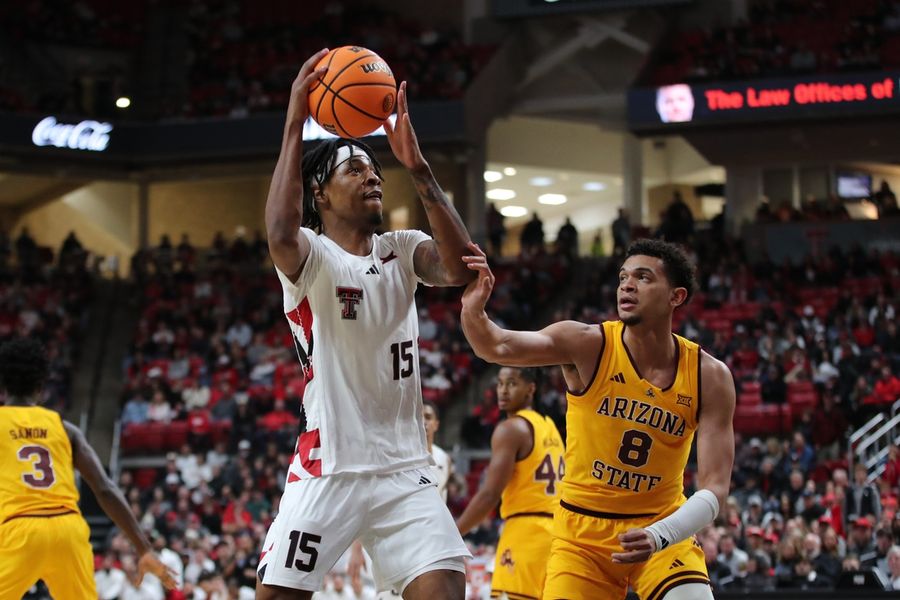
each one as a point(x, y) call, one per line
point(150, 563)
point(638, 545)
point(298, 106)
point(478, 291)
point(402, 136)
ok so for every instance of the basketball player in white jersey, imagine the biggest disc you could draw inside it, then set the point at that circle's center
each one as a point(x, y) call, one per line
point(361, 470)
point(443, 464)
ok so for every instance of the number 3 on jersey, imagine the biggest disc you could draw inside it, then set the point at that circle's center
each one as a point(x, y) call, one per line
point(42, 475)
point(546, 472)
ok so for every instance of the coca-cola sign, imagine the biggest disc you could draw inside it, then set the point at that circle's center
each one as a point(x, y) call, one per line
point(86, 135)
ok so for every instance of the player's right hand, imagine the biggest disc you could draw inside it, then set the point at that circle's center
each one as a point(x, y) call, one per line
point(478, 291)
point(150, 563)
point(298, 106)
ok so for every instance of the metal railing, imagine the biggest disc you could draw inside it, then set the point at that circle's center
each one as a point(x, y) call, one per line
point(859, 434)
point(873, 450)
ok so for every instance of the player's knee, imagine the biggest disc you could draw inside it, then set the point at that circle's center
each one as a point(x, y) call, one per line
point(690, 591)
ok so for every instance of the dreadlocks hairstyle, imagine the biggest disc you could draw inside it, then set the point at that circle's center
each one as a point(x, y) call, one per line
point(23, 367)
point(679, 269)
point(319, 166)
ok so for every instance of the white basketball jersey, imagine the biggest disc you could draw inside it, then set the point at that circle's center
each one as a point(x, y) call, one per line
point(443, 466)
point(355, 326)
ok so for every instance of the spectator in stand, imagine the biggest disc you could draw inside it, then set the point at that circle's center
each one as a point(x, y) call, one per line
point(806, 577)
point(110, 579)
point(829, 427)
point(719, 573)
point(863, 499)
point(159, 410)
point(532, 237)
point(828, 561)
point(801, 454)
point(136, 410)
point(861, 542)
point(496, 229)
point(773, 387)
point(789, 554)
point(278, 419)
point(732, 556)
point(621, 231)
point(879, 559)
point(894, 568)
point(887, 388)
point(678, 221)
point(567, 240)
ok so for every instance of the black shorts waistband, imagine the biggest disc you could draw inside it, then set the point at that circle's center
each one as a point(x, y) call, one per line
point(529, 514)
point(602, 515)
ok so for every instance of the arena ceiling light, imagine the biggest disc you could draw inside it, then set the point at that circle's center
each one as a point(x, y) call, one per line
point(501, 194)
point(123, 102)
point(594, 186)
point(541, 181)
point(509, 171)
point(513, 211)
point(552, 199)
point(492, 176)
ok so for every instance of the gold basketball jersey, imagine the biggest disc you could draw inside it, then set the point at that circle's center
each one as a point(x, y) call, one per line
point(629, 440)
point(37, 476)
point(535, 481)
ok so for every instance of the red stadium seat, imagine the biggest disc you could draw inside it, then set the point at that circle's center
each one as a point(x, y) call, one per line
point(750, 387)
point(749, 399)
point(176, 435)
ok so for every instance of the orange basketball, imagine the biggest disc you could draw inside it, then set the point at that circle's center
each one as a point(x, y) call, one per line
point(356, 95)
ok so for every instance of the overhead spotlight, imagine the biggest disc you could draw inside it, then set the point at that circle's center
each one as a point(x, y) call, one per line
point(552, 199)
point(594, 186)
point(509, 171)
point(492, 176)
point(513, 211)
point(541, 181)
point(501, 194)
point(123, 102)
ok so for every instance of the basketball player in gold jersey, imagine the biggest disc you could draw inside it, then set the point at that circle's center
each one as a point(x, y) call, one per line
point(523, 475)
point(637, 393)
point(42, 532)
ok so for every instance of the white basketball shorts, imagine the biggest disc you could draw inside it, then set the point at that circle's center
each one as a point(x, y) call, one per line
point(400, 519)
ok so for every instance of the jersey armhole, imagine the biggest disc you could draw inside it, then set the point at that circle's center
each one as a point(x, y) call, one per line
point(533, 444)
point(590, 383)
point(699, 381)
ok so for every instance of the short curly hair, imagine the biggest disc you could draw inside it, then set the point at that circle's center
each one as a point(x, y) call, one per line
point(23, 367)
point(679, 269)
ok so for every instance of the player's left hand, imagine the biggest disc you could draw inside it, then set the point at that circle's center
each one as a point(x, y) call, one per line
point(150, 563)
point(478, 292)
point(637, 544)
point(402, 136)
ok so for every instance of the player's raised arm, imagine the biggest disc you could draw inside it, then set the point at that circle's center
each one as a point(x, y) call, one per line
point(437, 261)
point(284, 204)
point(509, 439)
point(556, 344)
point(113, 504)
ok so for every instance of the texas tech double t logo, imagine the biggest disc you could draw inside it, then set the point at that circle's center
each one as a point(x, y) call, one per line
point(349, 297)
